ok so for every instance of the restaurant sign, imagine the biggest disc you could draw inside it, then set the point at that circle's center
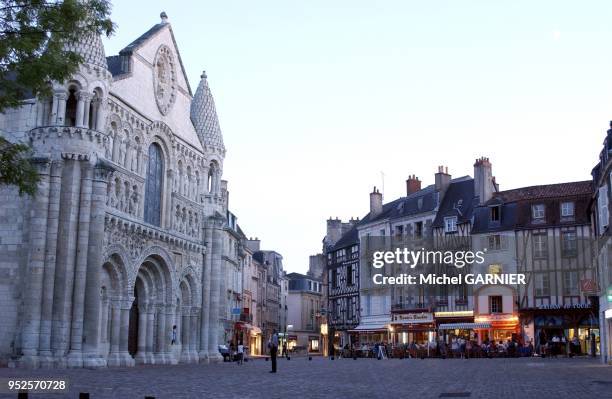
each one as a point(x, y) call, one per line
point(566, 306)
point(408, 318)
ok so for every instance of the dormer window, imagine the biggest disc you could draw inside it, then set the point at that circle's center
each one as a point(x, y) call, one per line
point(538, 212)
point(450, 224)
point(495, 213)
point(567, 209)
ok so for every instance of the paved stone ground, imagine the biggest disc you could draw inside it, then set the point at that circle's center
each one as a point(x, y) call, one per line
point(343, 378)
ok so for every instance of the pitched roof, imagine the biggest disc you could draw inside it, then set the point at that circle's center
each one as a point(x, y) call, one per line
point(546, 191)
point(129, 49)
point(349, 238)
point(458, 200)
point(424, 200)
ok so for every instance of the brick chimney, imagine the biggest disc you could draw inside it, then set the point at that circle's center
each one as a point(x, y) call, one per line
point(376, 205)
point(413, 184)
point(442, 179)
point(484, 182)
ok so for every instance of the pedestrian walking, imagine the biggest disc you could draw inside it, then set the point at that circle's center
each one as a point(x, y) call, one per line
point(273, 346)
point(240, 353)
point(173, 336)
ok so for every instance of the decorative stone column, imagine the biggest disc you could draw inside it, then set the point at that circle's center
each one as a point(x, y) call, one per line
point(87, 101)
point(66, 256)
point(36, 264)
point(126, 358)
point(150, 358)
point(114, 359)
point(205, 308)
point(91, 331)
point(55, 184)
point(75, 358)
point(215, 289)
point(193, 333)
point(99, 114)
point(61, 108)
point(141, 356)
point(160, 352)
point(185, 334)
point(172, 359)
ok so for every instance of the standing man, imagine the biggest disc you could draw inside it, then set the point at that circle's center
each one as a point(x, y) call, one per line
point(273, 345)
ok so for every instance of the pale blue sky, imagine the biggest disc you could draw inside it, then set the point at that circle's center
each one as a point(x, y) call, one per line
point(316, 98)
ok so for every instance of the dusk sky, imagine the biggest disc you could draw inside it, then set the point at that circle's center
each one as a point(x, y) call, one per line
point(317, 98)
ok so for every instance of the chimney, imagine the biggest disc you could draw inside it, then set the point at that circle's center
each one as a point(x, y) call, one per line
point(413, 184)
point(253, 244)
point(484, 182)
point(376, 205)
point(442, 179)
point(334, 231)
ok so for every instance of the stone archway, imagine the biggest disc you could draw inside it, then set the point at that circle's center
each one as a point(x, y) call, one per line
point(152, 313)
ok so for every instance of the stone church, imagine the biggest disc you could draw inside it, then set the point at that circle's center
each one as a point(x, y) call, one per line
point(121, 249)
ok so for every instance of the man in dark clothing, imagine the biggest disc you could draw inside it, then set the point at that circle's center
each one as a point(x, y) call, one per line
point(273, 345)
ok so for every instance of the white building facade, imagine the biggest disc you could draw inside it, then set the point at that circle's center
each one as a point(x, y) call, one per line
point(117, 260)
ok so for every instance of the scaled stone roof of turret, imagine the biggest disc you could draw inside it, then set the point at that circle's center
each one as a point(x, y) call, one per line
point(89, 47)
point(204, 115)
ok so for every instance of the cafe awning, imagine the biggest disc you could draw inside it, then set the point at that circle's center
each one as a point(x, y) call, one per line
point(370, 327)
point(464, 326)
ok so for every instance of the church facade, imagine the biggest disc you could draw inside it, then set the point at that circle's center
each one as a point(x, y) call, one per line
point(118, 258)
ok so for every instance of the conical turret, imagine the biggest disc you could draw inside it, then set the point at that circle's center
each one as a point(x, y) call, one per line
point(204, 116)
point(89, 47)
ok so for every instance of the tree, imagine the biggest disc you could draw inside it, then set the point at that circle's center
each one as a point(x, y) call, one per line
point(33, 37)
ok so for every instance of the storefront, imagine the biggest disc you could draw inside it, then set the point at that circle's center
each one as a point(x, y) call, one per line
point(255, 341)
point(456, 324)
point(371, 330)
point(313, 343)
point(498, 327)
point(412, 326)
point(564, 322)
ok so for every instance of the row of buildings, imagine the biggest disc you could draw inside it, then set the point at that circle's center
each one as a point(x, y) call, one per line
point(554, 234)
point(129, 253)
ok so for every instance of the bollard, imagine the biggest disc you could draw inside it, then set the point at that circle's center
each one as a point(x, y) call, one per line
point(309, 358)
point(149, 397)
point(266, 358)
point(288, 357)
point(83, 395)
point(22, 395)
point(332, 358)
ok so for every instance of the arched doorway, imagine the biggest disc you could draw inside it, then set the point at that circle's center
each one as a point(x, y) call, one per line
point(133, 329)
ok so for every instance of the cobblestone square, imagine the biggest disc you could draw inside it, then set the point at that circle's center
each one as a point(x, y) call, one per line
point(342, 378)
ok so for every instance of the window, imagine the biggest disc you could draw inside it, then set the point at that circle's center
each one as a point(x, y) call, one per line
point(309, 285)
point(382, 232)
point(418, 229)
point(495, 268)
point(602, 205)
point(450, 224)
point(349, 275)
point(153, 186)
point(567, 209)
point(538, 212)
point(495, 213)
point(495, 242)
point(542, 284)
point(540, 246)
point(399, 231)
point(495, 304)
point(569, 245)
point(335, 278)
point(570, 283)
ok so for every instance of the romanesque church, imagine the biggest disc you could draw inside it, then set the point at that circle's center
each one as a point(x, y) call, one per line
point(117, 260)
